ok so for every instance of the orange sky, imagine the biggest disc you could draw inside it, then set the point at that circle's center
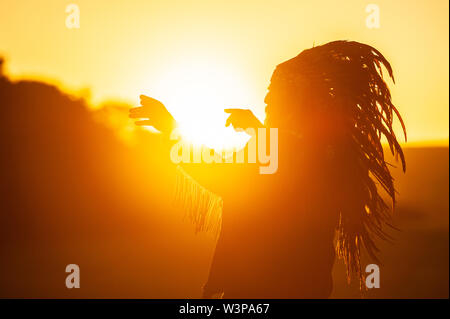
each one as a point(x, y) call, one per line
point(174, 49)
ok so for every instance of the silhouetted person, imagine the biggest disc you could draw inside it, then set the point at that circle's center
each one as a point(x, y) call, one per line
point(331, 107)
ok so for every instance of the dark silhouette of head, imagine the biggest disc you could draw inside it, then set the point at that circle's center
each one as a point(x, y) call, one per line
point(334, 96)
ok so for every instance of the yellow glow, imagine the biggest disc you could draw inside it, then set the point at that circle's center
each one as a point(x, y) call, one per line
point(127, 48)
point(196, 90)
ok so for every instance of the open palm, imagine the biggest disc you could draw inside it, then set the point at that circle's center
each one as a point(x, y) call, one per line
point(153, 113)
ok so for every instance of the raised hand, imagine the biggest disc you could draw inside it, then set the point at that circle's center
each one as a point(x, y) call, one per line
point(242, 119)
point(154, 113)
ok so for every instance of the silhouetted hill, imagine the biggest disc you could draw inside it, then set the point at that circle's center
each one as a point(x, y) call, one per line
point(73, 193)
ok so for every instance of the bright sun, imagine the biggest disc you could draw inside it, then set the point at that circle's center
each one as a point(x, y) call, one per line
point(196, 92)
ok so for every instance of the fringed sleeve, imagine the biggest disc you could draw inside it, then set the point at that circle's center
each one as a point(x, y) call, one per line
point(201, 206)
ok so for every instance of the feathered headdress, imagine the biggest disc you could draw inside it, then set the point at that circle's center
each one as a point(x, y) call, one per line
point(345, 79)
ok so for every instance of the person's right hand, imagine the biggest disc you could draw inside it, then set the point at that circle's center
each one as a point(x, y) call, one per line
point(154, 113)
point(242, 119)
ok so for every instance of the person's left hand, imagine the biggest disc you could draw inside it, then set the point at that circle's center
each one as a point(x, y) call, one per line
point(154, 113)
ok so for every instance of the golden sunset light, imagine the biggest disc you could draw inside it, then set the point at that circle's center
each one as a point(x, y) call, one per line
point(197, 88)
point(228, 49)
point(230, 156)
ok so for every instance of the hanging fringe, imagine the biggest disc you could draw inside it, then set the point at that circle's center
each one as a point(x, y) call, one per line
point(201, 206)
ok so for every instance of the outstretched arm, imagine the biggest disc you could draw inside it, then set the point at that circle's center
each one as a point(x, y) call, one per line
point(215, 176)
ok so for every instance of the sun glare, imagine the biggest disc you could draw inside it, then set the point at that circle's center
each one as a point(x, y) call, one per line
point(196, 92)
